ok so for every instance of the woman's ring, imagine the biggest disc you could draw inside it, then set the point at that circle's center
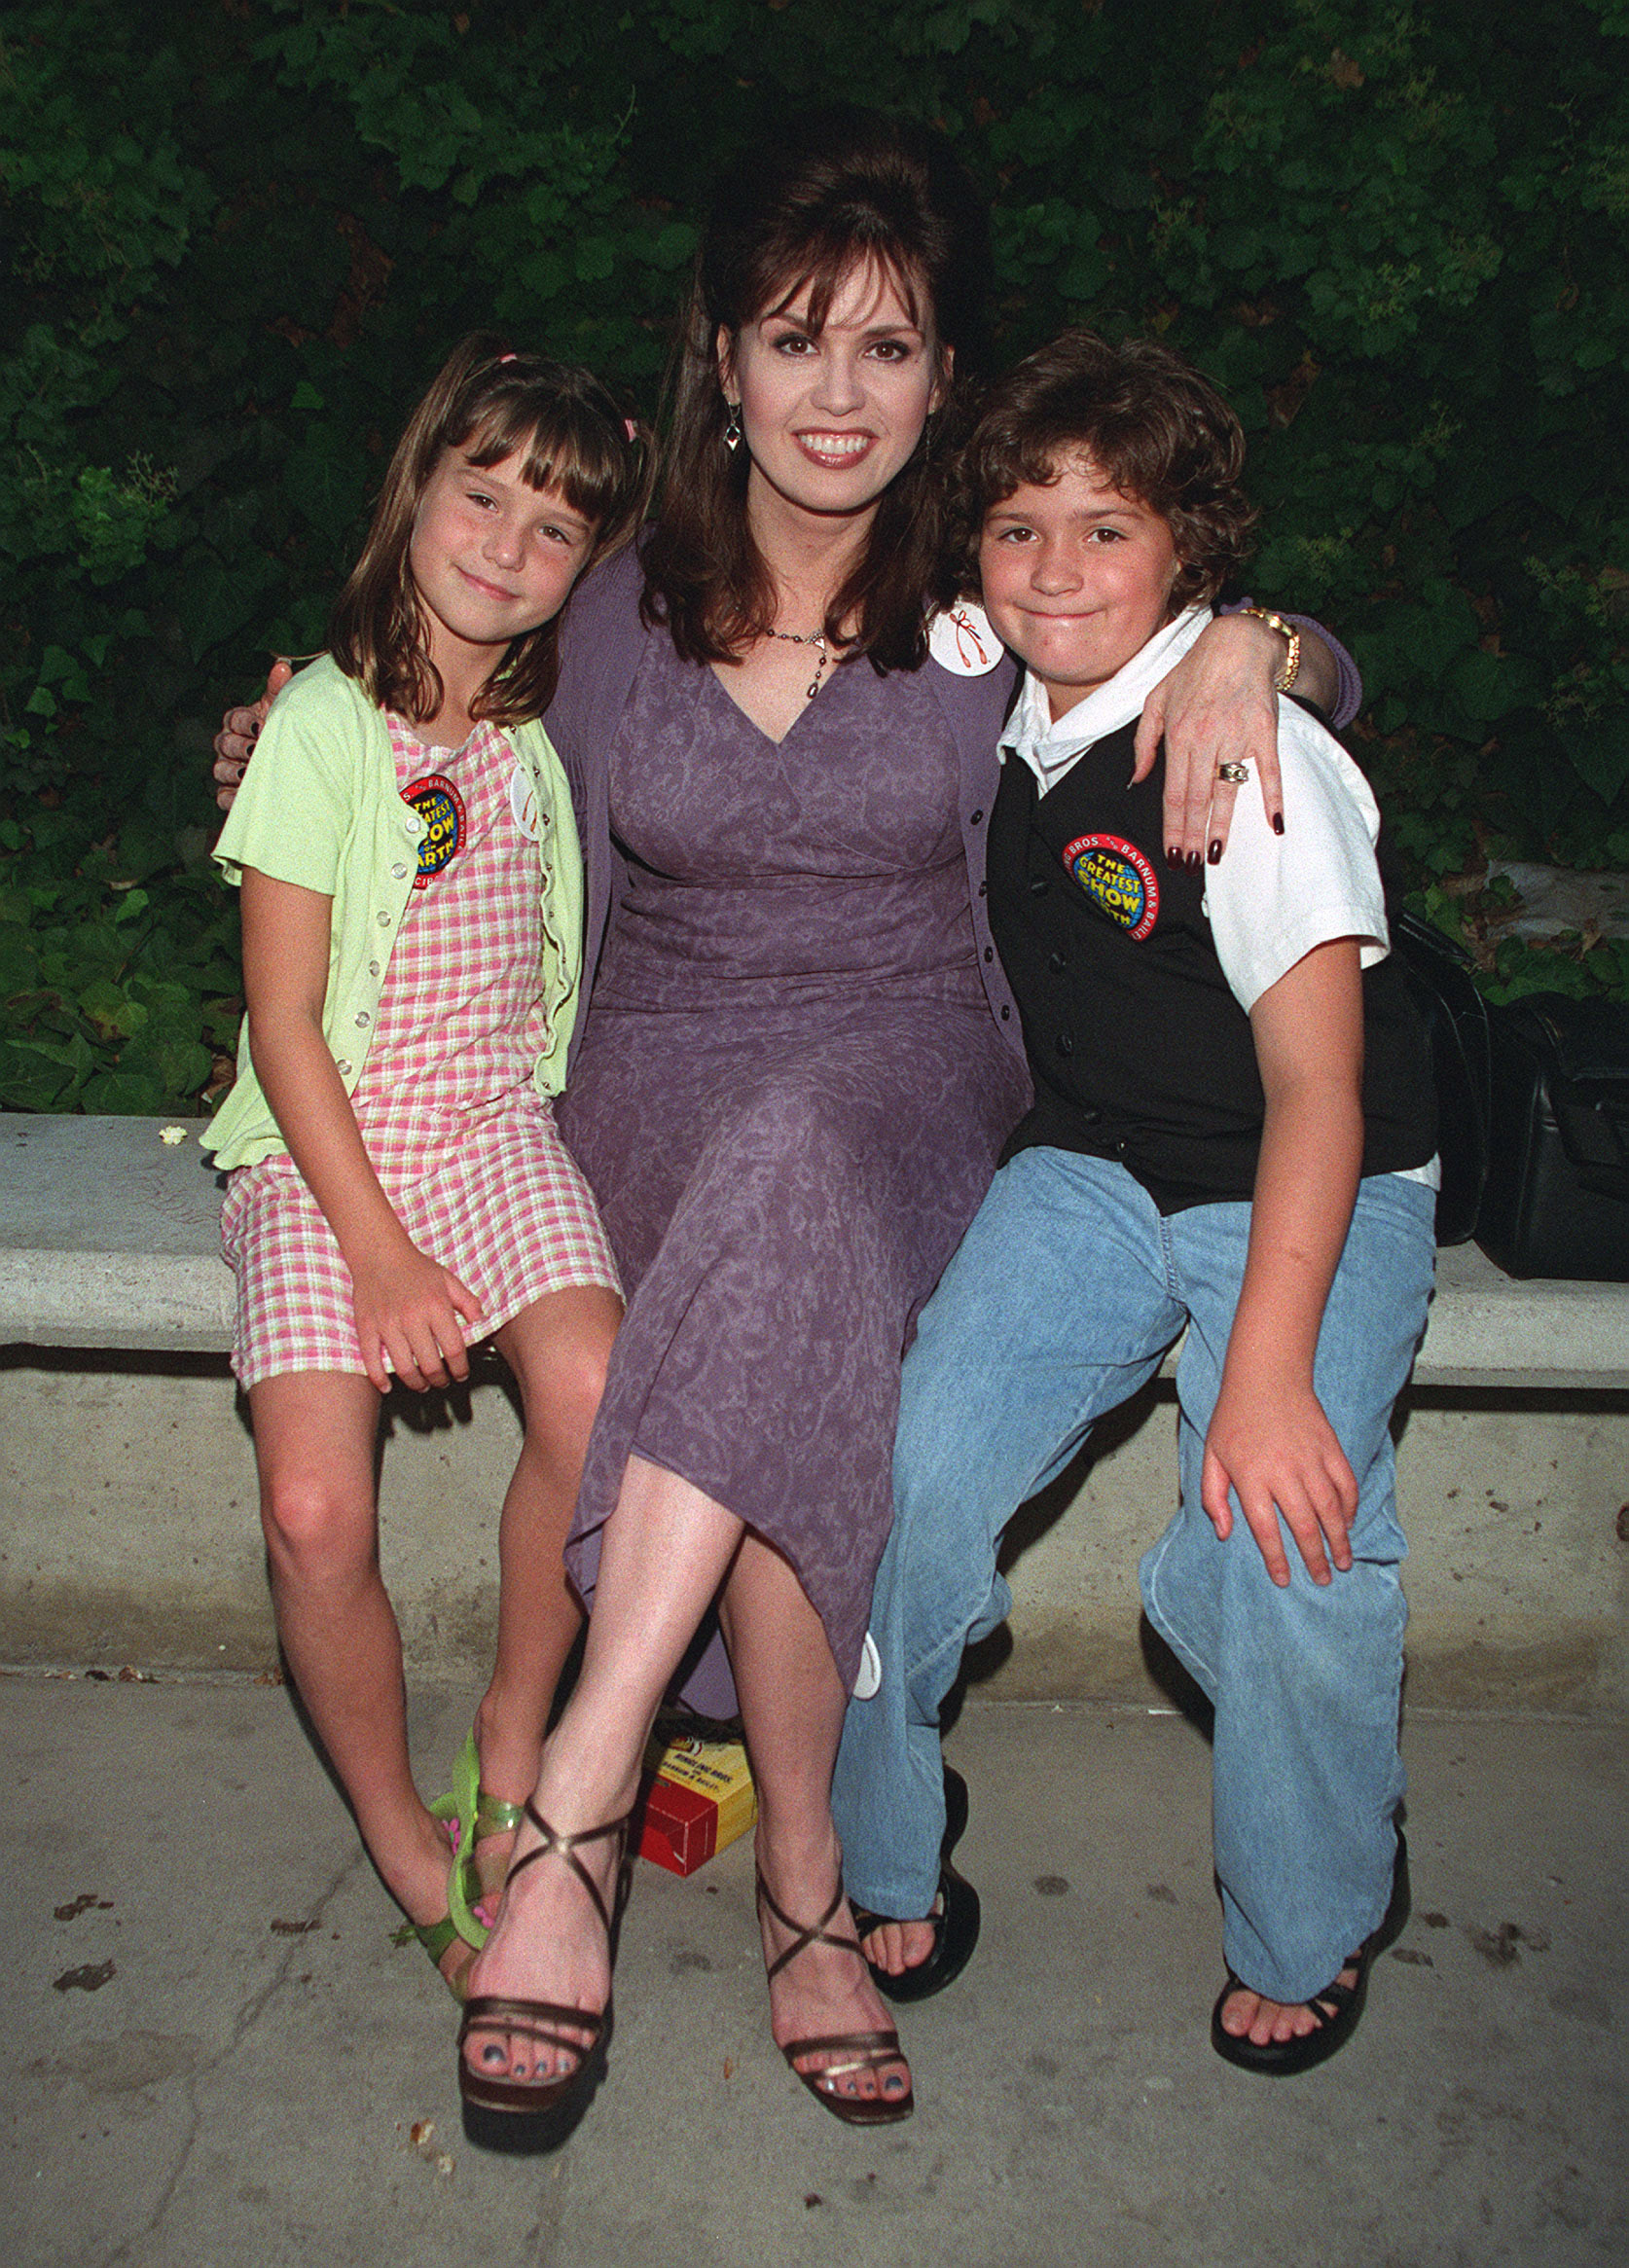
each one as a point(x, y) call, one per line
point(1234, 775)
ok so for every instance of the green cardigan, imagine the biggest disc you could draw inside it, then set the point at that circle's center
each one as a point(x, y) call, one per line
point(319, 807)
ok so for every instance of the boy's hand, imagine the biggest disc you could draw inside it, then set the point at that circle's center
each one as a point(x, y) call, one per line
point(408, 1307)
point(1279, 1455)
point(235, 742)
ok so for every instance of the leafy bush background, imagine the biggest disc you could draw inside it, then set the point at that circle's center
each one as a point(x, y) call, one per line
point(240, 233)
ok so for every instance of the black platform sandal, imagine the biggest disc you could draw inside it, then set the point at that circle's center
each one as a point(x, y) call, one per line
point(956, 1917)
point(1337, 2007)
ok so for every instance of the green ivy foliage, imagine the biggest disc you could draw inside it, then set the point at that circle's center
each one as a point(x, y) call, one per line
point(238, 235)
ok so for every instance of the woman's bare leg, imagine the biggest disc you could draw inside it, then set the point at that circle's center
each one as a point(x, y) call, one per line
point(792, 1701)
point(666, 1549)
point(558, 1350)
point(314, 1436)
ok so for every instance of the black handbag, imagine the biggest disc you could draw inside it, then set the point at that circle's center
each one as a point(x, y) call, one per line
point(1455, 1014)
point(1556, 1202)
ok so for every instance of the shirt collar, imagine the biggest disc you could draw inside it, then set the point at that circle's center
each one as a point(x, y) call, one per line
point(1050, 750)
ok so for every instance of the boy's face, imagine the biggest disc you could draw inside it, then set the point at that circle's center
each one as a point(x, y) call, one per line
point(1077, 577)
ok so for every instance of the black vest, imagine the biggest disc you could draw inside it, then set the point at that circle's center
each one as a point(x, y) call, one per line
point(1139, 1048)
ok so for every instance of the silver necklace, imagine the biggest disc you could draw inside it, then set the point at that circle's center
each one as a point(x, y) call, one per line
point(815, 638)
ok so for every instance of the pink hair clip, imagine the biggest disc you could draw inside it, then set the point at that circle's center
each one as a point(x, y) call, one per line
point(631, 429)
point(509, 357)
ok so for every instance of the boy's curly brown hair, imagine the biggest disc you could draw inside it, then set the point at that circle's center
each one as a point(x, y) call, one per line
point(1148, 423)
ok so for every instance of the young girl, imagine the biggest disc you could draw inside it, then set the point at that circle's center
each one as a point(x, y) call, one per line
point(411, 960)
point(1233, 1131)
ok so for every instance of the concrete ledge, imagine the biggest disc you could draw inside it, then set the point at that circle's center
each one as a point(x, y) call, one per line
point(110, 1237)
point(129, 1527)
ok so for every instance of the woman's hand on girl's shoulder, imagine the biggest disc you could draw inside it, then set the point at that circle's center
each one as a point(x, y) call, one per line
point(1217, 706)
point(235, 742)
point(409, 1307)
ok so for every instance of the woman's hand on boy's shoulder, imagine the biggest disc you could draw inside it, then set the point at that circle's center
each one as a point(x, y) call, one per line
point(235, 742)
point(1216, 706)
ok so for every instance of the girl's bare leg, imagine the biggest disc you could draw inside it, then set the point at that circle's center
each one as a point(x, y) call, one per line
point(792, 1701)
point(314, 1435)
point(558, 1350)
point(666, 1549)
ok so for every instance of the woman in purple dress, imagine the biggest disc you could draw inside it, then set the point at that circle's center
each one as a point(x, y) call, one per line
point(799, 1063)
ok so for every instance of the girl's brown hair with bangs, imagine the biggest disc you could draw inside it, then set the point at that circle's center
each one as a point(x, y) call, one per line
point(1150, 424)
point(492, 402)
point(808, 202)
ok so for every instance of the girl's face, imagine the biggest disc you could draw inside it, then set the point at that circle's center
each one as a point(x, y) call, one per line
point(490, 558)
point(1076, 578)
point(831, 417)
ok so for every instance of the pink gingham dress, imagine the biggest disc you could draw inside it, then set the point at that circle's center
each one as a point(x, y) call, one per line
point(465, 1147)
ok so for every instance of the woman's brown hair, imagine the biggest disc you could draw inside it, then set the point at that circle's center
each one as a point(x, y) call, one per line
point(794, 216)
point(1149, 422)
point(490, 402)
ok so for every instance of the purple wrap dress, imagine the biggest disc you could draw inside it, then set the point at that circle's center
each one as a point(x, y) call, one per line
point(788, 1098)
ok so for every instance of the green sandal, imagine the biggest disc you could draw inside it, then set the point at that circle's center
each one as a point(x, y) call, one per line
point(435, 1937)
point(451, 1813)
point(479, 1815)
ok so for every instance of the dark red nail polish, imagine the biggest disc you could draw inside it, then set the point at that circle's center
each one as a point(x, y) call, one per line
point(1278, 822)
point(1173, 856)
point(1215, 855)
point(1195, 862)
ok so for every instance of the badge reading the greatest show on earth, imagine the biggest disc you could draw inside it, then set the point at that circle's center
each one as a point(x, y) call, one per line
point(441, 807)
point(962, 640)
point(1117, 879)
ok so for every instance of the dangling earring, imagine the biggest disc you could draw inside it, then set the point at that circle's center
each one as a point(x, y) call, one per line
point(732, 428)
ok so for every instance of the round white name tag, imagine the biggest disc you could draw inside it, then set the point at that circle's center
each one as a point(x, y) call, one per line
point(869, 1682)
point(962, 640)
point(522, 802)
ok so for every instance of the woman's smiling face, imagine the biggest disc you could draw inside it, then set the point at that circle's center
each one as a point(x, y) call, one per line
point(830, 416)
point(1076, 578)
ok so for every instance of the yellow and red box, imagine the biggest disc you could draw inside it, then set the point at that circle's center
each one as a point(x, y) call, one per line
point(700, 1797)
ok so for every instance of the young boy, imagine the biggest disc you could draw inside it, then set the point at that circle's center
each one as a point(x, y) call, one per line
point(1233, 1131)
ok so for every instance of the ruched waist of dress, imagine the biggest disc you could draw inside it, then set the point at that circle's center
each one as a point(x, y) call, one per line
point(794, 938)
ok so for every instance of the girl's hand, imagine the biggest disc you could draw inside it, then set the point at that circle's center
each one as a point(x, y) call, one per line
point(408, 1307)
point(235, 742)
point(1278, 1453)
point(1217, 704)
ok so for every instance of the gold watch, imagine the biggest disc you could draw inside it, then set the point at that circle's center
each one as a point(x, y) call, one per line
point(1291, 669)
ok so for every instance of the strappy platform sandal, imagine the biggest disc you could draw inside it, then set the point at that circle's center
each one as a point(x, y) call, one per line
point(582, 2033)
point(1337, 2007)
point(861, 2051)
point(956, 1915)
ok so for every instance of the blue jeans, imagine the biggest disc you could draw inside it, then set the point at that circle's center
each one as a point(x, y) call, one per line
point(1061, 1302)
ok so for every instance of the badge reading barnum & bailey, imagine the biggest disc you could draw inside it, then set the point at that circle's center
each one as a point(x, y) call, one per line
point(1119, 878)
point(441, 807)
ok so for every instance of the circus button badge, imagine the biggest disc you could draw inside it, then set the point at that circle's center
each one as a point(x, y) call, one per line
point(1119, 878)
point(441, 807)
point(960, 639)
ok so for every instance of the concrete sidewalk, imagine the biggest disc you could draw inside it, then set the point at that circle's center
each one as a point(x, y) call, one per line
point(217, 2055)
